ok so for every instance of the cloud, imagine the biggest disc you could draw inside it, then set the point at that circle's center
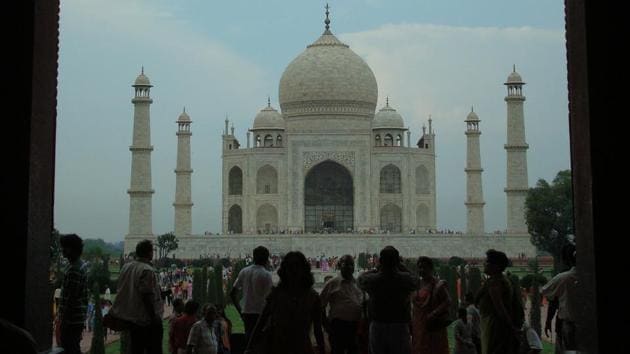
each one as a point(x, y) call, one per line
point(103, 44)
point(425, 69)
point(442, 71)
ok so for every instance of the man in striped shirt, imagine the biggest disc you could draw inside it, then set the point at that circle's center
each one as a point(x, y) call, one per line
point(74, 296)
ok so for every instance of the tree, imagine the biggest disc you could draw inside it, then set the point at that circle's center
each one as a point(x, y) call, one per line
point(236, 268)
point(204, 286)
point(474, 279)
point(218, 278)
point(166, 243)
point(56, 265)
point(449, 274)
point(197, 288)
point(98, 274)
point(549, 215)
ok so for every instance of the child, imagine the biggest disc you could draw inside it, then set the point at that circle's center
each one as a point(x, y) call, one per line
point(530, 343)
point(463, 334)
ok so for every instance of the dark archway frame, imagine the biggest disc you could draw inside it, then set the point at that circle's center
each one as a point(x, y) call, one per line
point(591, 55)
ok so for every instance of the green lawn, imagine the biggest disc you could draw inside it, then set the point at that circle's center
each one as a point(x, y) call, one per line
point(230, 311)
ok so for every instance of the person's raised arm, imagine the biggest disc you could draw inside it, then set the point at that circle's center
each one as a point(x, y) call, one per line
point(317, 326)
point(234, 293)
point(551, 312)
point(324, 298)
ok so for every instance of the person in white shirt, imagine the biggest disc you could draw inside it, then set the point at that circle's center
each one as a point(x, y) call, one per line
point(563, 287)
point(255, 281)
point(201, 339)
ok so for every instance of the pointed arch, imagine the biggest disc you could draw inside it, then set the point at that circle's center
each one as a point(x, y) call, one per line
point(235, 219)
point(328, 198)
point(391, 218)
point(268, 141)
point(235, 181)
point(422, 180)
point(389, 140)
point(267, 180)
point(390, 179)
point(267, 219)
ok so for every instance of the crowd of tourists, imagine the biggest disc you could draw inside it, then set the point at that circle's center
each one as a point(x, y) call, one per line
point(386, 309)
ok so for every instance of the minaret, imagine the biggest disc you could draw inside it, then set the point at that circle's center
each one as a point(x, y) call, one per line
point(516, 148)
point(140, 191)
point(474, 192)
point(183, 202)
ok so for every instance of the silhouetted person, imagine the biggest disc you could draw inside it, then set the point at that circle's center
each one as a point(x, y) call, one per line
point(291, 309)
point(474, 318)
point(255, 281)
point(16, 339)
point(562, 288)
point(139, 301)
point(500, 332)
point(389, 307)
point(430, 302)
point(74, 296)
point(345, 300)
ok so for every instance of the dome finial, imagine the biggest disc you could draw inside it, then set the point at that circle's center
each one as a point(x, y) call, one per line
point(513, 68)
point(387, 101)
point(142, 70)
point(184, 109)
point(327, 21)
point(268, 101)
point(472, 108)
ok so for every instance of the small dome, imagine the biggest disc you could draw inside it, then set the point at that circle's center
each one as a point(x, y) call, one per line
point(184, 117)
point(142, 80)
point(472, 116)
point(268, 118)
point(514, 78)
point(387, 117)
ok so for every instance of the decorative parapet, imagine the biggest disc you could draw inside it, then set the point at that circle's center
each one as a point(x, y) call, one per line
point(312, 158)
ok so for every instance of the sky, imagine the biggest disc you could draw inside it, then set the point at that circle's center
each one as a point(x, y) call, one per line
point(437, 58)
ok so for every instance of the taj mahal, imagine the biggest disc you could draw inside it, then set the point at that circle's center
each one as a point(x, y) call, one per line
point(331, 173)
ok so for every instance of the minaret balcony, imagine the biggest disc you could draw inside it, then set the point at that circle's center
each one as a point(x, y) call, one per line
point(141, 99)
point(140, 148)
point(516, 146)
point(137, 192)
point(473, 169)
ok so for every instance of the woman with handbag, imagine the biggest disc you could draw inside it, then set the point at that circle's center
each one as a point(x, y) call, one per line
point(430, 312)
point(292, 308)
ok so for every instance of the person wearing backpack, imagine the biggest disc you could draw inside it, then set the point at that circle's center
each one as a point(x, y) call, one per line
point(499, 307)
point(431, 304)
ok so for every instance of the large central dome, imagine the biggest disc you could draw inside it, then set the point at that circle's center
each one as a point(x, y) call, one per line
point(328, 78)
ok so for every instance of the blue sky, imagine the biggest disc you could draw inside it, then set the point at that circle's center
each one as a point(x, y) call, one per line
point(218, 58)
